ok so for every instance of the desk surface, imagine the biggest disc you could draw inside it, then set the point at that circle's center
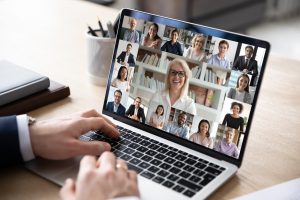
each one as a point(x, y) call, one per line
point(48, 37)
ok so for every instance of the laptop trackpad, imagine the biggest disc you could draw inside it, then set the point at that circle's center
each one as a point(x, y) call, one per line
point(56, 171)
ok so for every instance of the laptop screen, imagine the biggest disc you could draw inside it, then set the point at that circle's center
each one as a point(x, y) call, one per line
point(193, 82)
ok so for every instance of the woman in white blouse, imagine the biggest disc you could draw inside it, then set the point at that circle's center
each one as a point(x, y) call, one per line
point(196, 52)
point(121, 80)
point(175, 93)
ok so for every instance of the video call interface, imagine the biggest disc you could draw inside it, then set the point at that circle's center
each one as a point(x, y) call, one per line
point(195, 86)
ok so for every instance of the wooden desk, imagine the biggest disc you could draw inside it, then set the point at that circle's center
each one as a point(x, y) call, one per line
point(48, 37)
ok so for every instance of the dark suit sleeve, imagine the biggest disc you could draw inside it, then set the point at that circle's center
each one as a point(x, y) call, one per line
point(237, 63)
point(120, 57)
point(254, 68)
point(142, 115)
point(128, 112)
point(9, 141)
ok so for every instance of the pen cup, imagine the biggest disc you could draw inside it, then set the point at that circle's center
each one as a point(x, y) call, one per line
point(99, 53)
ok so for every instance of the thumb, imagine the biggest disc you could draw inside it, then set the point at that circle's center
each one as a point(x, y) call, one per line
point(92, 147)
point(67, 192)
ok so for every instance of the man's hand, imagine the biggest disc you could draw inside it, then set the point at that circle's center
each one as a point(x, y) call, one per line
point(105, 178)
point(59, 138)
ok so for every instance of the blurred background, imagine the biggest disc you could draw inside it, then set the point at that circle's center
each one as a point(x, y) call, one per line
point(277, 21)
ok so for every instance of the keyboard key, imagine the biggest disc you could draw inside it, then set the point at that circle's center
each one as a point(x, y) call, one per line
point(200, 165)
point(129, 151)
point(151, 153)
point(194, 179)
point(162, 150)
point(171, 153)
point(142, 149)
point(135, 161)
point(189, 185)
point(184, 174)
point(189, 168)
point(189, 193)
point(155, 162)
point(137, 154)
point(118, 153)
point(145, 138)
point(206, 179)
point(128, 136)
point(133, 145)
point(146, 158)
point(136, 139)
point(153, 169)
point(153, 146)
point(168, 184)
point(148, 175)
point(163, 173)
point(203, 161)
point(212, 171)
point(179, 164)
point(172, 177)
point(153, 141)
point(125, 142)
point(190, 161)
point(160, 156)
point(165, 166)
point(126, 157)
point(169, 160)
point(222, 168)
point(144, 143)
point(180, 157)
point(135, 168)
point(214, 165)
point(144, 165)
point(175, 170)
point(178, 188)
point(158, 179)
point(199, 172)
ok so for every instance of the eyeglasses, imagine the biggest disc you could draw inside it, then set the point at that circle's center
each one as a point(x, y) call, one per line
point(180, 74)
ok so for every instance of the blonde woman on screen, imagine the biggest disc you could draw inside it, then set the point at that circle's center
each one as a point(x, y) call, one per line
point(175, 93)
point(195, 52)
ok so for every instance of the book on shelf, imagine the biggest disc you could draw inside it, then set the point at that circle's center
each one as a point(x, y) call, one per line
point(53, 93)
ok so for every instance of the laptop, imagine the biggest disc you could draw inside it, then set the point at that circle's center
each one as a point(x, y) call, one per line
point(183, 96)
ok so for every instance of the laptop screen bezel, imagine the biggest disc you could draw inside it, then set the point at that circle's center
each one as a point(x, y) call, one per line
point(207, 31)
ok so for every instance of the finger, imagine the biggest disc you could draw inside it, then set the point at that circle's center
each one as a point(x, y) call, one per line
point(107, 163)
point(132, 175)
point(97, 123)
point(94, 113)
point(121, 164)
point(68, 190)
point(87, 163)
point(95, 148)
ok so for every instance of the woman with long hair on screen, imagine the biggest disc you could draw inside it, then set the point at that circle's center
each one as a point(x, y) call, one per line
point(202, 136)
point(157, 117)
point(121, 80)
point(151, 39)
point(241, 92)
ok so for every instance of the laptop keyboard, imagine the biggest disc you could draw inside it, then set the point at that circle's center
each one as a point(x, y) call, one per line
point(163, 164)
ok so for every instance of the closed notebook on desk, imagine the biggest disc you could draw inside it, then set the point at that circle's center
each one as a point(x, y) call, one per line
point(17, 82)
point(55, 92)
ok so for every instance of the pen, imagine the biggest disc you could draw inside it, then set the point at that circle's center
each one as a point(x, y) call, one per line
point(110, 30)
point(101, 27)
point(92, 31)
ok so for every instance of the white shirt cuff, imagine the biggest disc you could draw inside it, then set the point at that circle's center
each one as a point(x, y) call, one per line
point(24, 138)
